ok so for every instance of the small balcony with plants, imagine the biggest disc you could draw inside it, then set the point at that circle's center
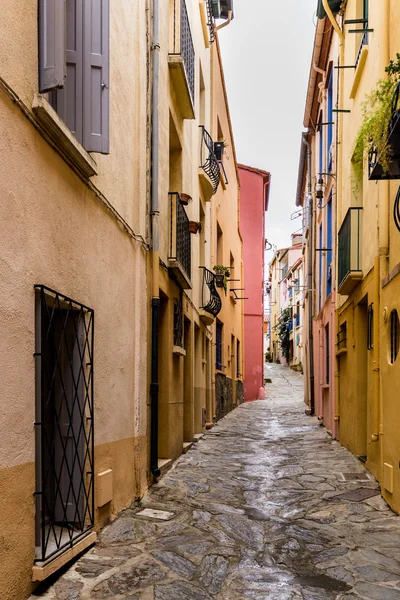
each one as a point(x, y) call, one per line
point(181, 59)
point(349, 255)
point(211, 302)
point(209, 168)
point(378, 138)
point(179, 257)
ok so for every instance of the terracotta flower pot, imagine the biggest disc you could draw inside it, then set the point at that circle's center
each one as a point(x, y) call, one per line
point(185, 199)
point(194, 226)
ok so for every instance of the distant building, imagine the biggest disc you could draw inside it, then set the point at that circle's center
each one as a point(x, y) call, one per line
point(254, 197)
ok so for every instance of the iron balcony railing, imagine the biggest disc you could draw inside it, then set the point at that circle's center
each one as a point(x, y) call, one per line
point(180, 241)
point(64, 422)
point(211, 300)
point(182, 43)
point(208, 160)
point(349, 238)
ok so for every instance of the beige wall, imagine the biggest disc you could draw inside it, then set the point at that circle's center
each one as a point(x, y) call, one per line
point(55, 231)
point(226, 214)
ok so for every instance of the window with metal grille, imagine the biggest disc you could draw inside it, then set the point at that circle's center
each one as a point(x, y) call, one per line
point(64, 422)
point(370, 341)
point(238, 373)
point(394, 335)
point(178, 322)
point(218, 361)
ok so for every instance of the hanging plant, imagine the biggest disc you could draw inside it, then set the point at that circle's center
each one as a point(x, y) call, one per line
point(377, 110)
point(283, 332)
point(221, 276)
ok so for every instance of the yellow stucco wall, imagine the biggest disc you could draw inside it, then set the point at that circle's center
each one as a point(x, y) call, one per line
point(368, 402)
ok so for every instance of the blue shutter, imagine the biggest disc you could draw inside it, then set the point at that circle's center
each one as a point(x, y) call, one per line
point(330, 120)
point(96, 76)
point(51, 44)
point(69, 102)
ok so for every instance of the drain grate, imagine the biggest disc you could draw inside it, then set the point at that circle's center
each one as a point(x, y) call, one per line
point(358, 495)
point(355, 476)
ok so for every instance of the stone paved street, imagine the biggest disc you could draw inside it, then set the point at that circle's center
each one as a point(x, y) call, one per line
point(259, 511)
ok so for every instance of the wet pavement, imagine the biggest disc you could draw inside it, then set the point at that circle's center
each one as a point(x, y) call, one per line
point(265, 506)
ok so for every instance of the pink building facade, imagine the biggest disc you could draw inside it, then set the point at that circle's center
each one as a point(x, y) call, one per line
point(254, 196)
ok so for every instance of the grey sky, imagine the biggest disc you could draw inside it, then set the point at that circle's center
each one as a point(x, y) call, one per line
point(266, 56)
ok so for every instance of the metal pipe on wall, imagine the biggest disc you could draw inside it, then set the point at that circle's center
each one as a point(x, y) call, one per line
point(155, 302)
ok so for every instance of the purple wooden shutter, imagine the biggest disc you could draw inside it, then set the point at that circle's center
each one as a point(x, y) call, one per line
point(51, 44)
point(96, 76)
point(69, 101)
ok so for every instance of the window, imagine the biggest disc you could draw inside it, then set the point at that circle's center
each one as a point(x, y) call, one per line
point(329, 247)
point(327, 354)
point(370, 342)
point(218, 361)
point(74, 66)
point(394, 336)
point(64, 422)
point(320, 270)
point(362, 37)
point(329, 136)
point(238, 373)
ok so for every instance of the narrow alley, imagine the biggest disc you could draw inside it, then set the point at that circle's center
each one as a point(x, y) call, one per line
point(265, 506)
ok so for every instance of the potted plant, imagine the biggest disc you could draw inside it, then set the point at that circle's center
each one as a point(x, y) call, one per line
point(221, 276)
point(194, 226)
point(380, 112)
point(185, 199)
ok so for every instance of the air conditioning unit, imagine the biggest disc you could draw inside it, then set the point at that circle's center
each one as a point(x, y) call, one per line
point(216, 9)
point(226, 6)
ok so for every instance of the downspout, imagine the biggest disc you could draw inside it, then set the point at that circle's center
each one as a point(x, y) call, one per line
point(155, 302)
point(310, 276)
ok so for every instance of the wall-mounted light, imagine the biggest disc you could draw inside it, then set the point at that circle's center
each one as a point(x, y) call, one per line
point(320, 188)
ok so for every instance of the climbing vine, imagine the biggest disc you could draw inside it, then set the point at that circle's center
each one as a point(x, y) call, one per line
point(283, 332)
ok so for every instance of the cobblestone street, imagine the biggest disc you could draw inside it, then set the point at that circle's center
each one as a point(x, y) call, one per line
point(260, 508)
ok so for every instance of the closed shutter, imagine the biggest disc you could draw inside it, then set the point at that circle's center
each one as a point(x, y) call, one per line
point(69, 101)
point(51, 44)
point(96, 76)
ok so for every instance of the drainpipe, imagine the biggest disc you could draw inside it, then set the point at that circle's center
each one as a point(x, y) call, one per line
point(310, 277)
point(155, 302)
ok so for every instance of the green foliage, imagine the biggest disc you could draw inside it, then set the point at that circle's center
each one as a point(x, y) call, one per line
point(268, 356)
point(377, 111)
point(225, 271)
point(283, 332)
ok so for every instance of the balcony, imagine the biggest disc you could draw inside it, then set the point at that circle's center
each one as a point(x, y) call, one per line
point(181, 59)
point(349, 260)
point(376, 170)
point(209, 170)
point(179, 258)
point(211, 303)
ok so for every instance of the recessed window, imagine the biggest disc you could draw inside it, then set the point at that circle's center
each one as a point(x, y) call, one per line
point(394, 335)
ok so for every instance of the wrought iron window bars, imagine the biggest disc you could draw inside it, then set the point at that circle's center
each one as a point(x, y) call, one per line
point(64, 422)
point(183, 43)
point(180, 240)
point(208, 160)
point(178, 321)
